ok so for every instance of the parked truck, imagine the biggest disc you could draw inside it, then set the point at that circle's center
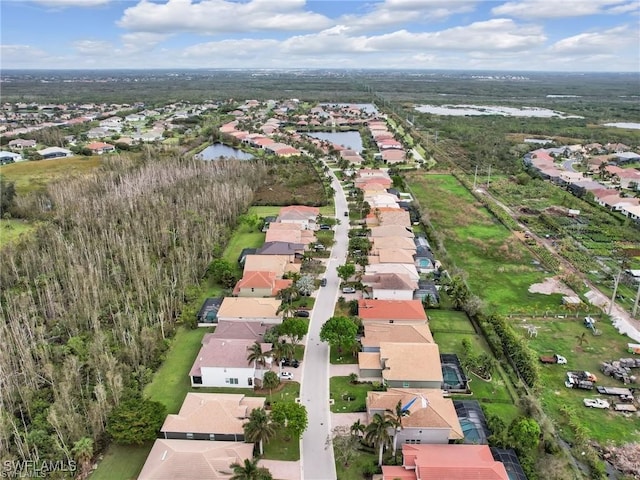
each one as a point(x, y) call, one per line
point(581, 380)
point(559, 359)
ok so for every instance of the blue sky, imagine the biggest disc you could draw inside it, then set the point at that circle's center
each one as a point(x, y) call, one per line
point(545, 35)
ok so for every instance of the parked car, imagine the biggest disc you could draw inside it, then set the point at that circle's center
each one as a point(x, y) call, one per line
point(324, 226)
point(323, 282)
point(346, 214)
point(348, 290)
point(302, 313)
point(559, 359)
point(290, 363)
point(286, 375)
point(596, 403)
point(318, 247)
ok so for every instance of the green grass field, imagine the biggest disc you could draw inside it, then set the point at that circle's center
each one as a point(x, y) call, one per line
point(356, 466)
point(348, 397)
point(449, 321)
point(12, 230)
point(499, 267)
point(35, 175)
point(561, 336)
point(243, 237)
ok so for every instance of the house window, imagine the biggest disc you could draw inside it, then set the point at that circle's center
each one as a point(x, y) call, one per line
point(212, 436)
point(390, 321)
point(253, 289)
point(189, 436)
point(197, 380)
point(405, 384)
point(231, 381)
point(413, 442)
point(250, 381)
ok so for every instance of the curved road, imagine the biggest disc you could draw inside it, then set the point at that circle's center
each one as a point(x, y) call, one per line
point(317, 460)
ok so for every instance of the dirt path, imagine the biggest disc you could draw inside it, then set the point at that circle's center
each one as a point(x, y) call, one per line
point(620, 318)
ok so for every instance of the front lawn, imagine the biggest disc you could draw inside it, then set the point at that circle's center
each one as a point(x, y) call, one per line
point(279, 448)
point(364, 461)
point(345, 358)
point(348, 397)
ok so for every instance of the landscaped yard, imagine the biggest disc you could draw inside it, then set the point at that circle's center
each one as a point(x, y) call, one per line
point(449, 321)
point(281, 448)
point(499, 267)
point(244, 236)
point(344, 358)
point(364, 461)
point(348, 397)
point(564, 336)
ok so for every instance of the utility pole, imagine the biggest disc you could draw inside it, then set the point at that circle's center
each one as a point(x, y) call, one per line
point(615, 291)
point(475, 179)
point(635, 304)
point(489, 177)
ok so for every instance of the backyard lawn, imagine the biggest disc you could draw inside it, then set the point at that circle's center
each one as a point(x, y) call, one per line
point(348, 397)
point(244, 236)
point(499, 267)
point(122, 462)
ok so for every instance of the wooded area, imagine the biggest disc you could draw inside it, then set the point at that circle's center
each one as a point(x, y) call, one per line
point(89, 300)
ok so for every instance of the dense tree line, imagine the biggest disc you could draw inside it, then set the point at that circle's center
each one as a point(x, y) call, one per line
point(89, 300)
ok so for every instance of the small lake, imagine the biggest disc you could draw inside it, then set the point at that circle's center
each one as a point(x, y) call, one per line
point(217, 150)
point(365, 107)
point(349, 140)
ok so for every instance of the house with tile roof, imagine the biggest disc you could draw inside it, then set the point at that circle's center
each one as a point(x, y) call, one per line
point(391, 231)
point(391, 255)
point(222, 362)
point(250, 309)
point(300, 215)
point(290, 232)
point(431, 417)
point(211, 416)
point(451, 462)
point(399, 268)
point(279, 264)
point(403, 365)
point(185, 460)
point(389, 286)
point(260, 284)
point(99, 148)
point(375, 333)
point(394, 242)
point(289, 249)
point(408, 312)
point(240, 330)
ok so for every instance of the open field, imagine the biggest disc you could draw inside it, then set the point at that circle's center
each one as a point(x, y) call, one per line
point(562, 336)
point(35, 175)
point(498, 266)
point(244, 236)
point(449, 321)
point(12, 230)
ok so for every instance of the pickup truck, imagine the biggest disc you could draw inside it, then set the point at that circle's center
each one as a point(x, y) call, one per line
point(559, 359)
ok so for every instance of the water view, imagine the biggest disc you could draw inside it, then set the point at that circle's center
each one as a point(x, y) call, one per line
point(218, 150)
point(470, 110)
point(349, 140)
point(365, 107)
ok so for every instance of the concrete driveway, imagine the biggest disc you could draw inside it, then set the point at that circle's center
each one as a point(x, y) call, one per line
point(281, 470)
point(343, 370)
point(347, 419)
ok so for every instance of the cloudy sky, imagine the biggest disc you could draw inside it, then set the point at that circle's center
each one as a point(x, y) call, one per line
point(548, 35)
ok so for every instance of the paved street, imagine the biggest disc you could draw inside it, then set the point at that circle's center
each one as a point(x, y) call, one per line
point(317, 461)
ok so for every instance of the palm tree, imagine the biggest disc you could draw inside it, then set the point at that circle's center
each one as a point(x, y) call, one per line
point(256, 355)
point(259, 428)
point(357, 429)
point(281, 350)
point(582, 340)
point(83, 452)
point(250, 471)
point(270, 380)
point(395, 417)
point(377, 434)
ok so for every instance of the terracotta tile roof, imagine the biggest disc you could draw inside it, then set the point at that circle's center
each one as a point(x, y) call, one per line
point(391, 310)
point(300, 209)
point(430, 408)
point(411, 362)
point(212, 413)
point(279, 264)
point(369, 361)
point(242, 330)
point(454, 462)
point(389, 281)
point(248, 307)
point(408, 269)
point(404, 243)
point(397, 473)
point(187, 459)
point(257, 280)
point(391, 231)
point(394, 332)
point(394, 255)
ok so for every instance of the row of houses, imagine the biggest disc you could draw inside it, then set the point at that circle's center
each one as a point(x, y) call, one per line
point(398, 350)
point(607, 194)
point(242, 319)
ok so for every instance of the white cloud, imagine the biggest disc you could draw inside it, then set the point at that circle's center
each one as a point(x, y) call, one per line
point(221, 16)
point(593, 43)
point(557, 8)
point(142, 41)
point(20, 51)
point(396, 12)
point(72, 3)
point(93, 47)
point(246, 48)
